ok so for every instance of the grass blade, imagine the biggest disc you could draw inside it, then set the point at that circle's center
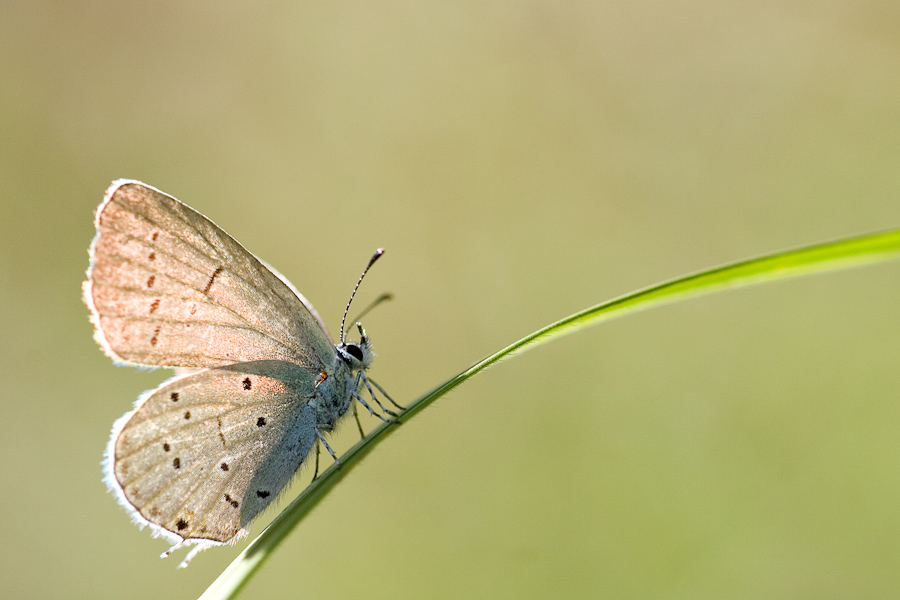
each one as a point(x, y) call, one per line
point(820, 258)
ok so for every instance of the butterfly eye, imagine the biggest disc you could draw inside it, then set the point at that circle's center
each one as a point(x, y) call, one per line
point(354, 351)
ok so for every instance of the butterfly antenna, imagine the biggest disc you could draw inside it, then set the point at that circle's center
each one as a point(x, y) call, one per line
point(382, 298)
point(372, 260)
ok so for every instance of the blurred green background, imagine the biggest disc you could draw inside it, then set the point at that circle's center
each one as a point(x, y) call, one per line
point(519, 161)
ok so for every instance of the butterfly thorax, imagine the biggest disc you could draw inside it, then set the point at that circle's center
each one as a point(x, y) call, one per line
point(336, 389)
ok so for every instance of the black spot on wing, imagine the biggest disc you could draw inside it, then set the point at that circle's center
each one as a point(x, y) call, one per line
point(260, 421)
point(154, 306)
point(155, 337)
point(234, 503)
point(262, 493)
point(166, 446)
point(176, 463)
point(187, 414)
point(150, 281)
point(224, 466)
point(212, 278)
point(221, 435)
point(246, 383)
point(173, 396)
point(181, 525)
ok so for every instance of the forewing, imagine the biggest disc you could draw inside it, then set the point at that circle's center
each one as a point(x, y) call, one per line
point(203, 454)
point(168, 287)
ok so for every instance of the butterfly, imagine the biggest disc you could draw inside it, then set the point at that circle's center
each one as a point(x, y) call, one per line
point(260, 379)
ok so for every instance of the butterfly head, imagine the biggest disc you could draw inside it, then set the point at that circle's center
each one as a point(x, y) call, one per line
point(357, 355)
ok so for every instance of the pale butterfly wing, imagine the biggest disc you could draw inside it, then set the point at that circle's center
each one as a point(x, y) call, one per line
point(259, 377)
point(167, 287)
point(203, 454)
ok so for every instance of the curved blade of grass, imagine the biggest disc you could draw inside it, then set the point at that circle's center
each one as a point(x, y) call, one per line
point(820, 258)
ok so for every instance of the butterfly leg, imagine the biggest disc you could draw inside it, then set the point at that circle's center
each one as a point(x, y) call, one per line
point(372, 412)
point(362, 434)
point(381, 389)
point(316, 472)
point(360, 376)
point(169, 552)
point(193, 552)
point(327, 447)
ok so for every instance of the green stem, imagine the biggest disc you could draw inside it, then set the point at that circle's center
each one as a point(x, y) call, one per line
point(820, 258)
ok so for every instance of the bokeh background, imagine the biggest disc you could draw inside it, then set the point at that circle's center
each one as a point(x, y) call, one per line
point(520, 161)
